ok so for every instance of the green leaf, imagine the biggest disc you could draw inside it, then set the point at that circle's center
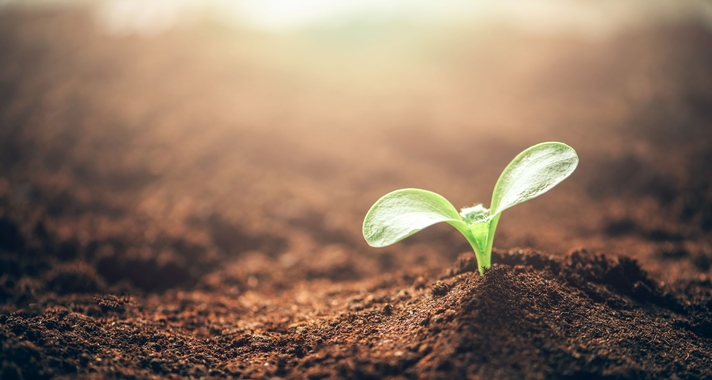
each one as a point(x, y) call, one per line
point(532, 173)
point(404, 212)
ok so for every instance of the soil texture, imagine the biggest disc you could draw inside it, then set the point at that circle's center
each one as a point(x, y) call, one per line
point(188, 204)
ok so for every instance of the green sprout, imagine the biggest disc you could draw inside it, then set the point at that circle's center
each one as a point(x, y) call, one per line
point(403, 212)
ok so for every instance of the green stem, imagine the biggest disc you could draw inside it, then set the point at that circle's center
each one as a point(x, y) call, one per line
point(490, 239)
point(481, 238)
point(483, 260)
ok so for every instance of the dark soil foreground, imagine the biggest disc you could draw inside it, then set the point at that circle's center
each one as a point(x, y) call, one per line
point(188, 205)
point(585, 317)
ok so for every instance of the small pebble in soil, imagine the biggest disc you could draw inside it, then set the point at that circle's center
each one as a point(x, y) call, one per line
point(387, 309)
point(440, 289)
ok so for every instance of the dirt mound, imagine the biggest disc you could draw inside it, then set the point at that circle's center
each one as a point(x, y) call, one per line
point(530, 316)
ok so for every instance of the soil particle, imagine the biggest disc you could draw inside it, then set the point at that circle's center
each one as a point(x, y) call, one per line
point(440, 289)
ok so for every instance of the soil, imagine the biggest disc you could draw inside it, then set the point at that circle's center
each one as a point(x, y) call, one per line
point(189, 204)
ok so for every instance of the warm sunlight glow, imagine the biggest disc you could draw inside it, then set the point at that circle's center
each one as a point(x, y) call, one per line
point(537, 16)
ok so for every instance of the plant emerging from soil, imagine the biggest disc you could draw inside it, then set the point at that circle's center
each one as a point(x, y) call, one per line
point(404, 212)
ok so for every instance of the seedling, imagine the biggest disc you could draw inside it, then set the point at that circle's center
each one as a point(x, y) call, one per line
point(403, 212)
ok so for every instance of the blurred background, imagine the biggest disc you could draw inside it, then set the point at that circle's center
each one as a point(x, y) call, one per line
point(148, 146)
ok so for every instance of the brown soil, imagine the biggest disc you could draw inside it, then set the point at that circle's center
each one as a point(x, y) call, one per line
point(189, 204)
